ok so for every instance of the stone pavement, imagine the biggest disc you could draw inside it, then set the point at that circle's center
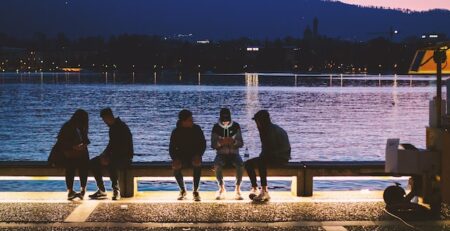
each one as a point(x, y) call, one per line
point(345, 210)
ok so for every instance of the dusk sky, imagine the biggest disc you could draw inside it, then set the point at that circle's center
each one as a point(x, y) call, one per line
point(419, 5)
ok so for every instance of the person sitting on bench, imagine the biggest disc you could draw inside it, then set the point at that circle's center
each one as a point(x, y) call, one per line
point(275, 151)
point(226, 139)
point(186, 148)
point(71, 152)
point(117, 155)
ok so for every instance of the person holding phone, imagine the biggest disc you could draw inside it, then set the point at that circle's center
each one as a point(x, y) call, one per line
point(71, 152)
point(117, 155)
point(226, 139)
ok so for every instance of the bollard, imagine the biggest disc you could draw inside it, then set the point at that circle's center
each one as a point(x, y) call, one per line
point(127, 183)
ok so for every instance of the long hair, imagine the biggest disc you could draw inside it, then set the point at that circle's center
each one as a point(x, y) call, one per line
point(81, 120)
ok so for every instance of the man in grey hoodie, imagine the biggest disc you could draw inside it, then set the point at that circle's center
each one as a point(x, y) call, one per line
point(275, 151)
point(226, 139)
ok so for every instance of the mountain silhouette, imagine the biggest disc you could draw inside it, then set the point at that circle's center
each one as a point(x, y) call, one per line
point(213, 19)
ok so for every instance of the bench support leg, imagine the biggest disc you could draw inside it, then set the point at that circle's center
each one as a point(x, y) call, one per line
point(297, 187)
point(308, 191)
point(127, 184)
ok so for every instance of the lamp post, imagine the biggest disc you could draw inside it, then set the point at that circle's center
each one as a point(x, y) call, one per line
point(439, 57)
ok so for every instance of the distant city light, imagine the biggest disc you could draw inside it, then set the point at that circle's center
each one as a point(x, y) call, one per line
point(252, 48)
point(203, 41)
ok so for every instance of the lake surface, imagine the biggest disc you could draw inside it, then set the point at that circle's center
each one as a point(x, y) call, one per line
point(337, 117)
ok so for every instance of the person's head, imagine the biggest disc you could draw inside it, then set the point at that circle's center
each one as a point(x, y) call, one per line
point(185, 118)
point(225, 116)
point(107, 116)
point(81, 119)
point(262, 119)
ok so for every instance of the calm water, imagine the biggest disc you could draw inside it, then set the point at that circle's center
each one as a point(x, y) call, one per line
point(327, 118)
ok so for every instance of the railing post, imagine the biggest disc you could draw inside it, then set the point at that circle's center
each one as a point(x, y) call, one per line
point(127, 183)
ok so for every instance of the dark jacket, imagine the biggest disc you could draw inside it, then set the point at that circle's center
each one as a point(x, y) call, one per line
point(187, 142)
point(120, 147)
point(220, 131)
point(68, 136)
point(275, 143)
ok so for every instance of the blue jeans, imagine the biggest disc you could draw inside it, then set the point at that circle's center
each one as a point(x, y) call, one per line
point(223, 160)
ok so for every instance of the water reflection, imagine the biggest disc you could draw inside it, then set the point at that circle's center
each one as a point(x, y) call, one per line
point(252, 105)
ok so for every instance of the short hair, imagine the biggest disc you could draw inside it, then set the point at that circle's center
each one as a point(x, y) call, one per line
point(262, 116)
point(184, 114)
point(106, 112)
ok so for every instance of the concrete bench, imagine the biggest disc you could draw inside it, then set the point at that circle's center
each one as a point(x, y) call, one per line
point(302, 172)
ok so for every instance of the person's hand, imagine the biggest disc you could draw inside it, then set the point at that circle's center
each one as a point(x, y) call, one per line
point(222, 141)
point(104, 160)
point(176, 164)
point(228, 140)
point(79, 147)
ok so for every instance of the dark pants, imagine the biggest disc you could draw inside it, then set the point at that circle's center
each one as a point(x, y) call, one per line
point(113, 168)
point(72, 165)
point(190, 161)
point(261, 163)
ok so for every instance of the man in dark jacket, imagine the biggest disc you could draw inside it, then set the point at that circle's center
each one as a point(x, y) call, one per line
point(186, 148)
point(117, 155)
point(275, 150)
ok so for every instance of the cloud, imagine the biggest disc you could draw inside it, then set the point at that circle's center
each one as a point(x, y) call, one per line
point(415, 5)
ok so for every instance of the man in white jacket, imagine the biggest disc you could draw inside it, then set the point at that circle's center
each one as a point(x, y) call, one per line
point(226, 139)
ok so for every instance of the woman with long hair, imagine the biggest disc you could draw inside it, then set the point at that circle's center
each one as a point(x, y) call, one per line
point(71, 152)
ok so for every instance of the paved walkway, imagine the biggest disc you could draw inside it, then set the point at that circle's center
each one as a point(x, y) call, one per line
point(360, 210)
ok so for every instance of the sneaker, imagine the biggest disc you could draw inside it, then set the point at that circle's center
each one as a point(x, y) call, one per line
point(253, 193)
point(98, 195)
point(72, 195)
point(262, 197)
point(220, 195)
point(81, 194)
point(196, 196)
point(182, 195)
point(238, 196)
point(116, 195)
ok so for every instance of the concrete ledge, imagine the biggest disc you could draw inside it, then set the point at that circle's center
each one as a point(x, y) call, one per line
point(302, 172)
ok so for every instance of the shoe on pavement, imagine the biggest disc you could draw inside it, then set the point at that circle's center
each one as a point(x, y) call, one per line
point(220, 195)
point(72, 195)
point(262, 197)
point(196, 196)
point(81, 194)
point(238, 196)
point(253, 193)
point(98, 195)
point(182, 195)
point(116, 195)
